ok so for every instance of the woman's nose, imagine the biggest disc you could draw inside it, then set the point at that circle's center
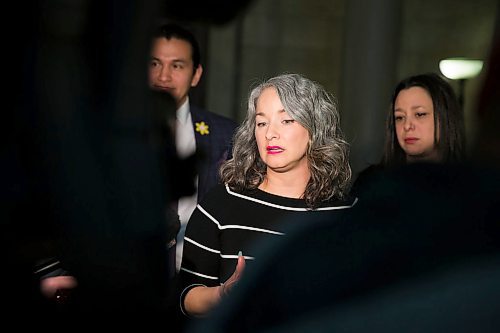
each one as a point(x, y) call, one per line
point(271, 133)
point(408, 124)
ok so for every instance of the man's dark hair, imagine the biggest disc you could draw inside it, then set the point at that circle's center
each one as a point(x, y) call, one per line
point(172, 30)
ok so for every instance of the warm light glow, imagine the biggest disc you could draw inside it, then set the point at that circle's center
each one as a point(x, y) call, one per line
point(460, 68)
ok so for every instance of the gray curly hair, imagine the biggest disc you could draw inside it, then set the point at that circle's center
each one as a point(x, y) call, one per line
point(308, 103)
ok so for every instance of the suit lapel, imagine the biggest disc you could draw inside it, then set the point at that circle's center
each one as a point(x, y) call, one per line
point(203, 143)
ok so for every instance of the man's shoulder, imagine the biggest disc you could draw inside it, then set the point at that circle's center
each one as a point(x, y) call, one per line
point(214, 196)
point(198, 113)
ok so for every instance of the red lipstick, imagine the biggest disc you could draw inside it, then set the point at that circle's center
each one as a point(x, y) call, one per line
point(274, 149)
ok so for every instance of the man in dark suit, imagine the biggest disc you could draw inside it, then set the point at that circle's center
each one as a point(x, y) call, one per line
point(174, 68)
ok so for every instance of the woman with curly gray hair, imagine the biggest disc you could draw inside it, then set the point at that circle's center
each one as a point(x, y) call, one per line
point(315, 110)
point(289, 158)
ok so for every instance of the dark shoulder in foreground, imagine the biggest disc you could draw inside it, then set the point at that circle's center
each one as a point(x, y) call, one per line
point(365, 177)
point(334, 204)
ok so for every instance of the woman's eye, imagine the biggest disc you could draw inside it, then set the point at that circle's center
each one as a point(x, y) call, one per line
point(288, 121)
point(398, 118)
point(421, 114)
point(261, 124)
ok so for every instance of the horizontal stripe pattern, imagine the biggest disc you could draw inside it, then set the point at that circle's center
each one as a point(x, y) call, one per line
point(235, 226)
point(227, 222)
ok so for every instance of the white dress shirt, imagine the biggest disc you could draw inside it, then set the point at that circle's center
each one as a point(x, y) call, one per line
point(186, 145)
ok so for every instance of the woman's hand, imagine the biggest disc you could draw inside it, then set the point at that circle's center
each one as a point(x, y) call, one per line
point(226, 287)
point(199, 300)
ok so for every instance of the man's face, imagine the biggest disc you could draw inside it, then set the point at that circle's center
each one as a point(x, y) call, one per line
point(171, 68)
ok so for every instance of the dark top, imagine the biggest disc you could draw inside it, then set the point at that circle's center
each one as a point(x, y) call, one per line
point(227, 222)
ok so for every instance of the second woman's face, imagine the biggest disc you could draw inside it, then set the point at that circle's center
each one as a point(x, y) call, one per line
point(414, 122)
point(282, 141)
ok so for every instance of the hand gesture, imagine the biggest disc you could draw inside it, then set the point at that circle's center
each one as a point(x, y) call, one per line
point(233, 279)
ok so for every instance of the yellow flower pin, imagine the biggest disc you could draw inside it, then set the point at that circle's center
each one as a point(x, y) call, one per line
point(202, 128)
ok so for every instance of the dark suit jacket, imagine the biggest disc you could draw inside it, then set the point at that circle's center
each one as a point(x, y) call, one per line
point(213, 147)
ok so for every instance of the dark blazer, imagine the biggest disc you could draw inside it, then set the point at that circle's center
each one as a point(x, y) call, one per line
point(213, 135)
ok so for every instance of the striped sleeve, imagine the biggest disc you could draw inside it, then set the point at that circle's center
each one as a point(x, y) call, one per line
point(201, 253)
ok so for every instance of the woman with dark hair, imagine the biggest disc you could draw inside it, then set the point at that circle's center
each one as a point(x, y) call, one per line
point(425, 123)
point(289, 159)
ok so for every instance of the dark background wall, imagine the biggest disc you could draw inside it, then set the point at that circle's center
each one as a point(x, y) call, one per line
point(357, 49)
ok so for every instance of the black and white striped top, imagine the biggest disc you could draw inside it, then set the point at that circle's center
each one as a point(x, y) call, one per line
point(226, 222)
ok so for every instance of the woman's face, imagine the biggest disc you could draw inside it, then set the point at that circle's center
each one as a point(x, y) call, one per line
point(282, 141)
point(414, 124)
